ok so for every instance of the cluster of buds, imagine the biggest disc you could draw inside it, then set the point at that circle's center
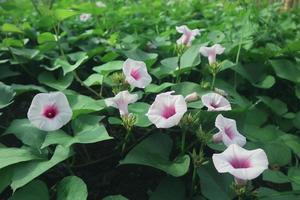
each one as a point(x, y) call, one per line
point(118, 80)
point(128, 121)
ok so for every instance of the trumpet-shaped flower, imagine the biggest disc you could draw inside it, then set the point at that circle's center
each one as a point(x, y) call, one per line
point(121, 101)
point(242, 164)
point(212, 52)
point(187, 35)
point(228, 132)
point(167, 110)
point(136, 73)
point(49, 111)
point(215, 102)
point(85, 17)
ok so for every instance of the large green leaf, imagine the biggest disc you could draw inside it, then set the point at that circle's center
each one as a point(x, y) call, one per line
point(87, 130)
point(191, 57)
point(270, 194)
point(186, 88)
point(168, 67)
point(294, 176)
point(9, 156)
point(35, 190)
point(6, 72)
point(214, 185)
point(154, 151)
point(169, 188)
point(140, 109)
point(5, 174)
point(7, 95)
point(82, 104)
point(115, 197)
point(286, 69)
point(137, 54)
point(62, 83)
point(79, 58)
point(72, 188)
point(28, 171)
point(109, 67)
point(27, 133)
point(20, 89)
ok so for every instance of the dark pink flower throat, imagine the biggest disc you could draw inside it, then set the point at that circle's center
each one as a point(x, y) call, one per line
point(135, 74)
point(169, 111)
point(239, 163)
point(50, 111)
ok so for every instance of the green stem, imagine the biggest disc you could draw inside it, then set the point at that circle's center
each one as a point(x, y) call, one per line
point(194, 179)
point(183, 142)
point(212, 87)
point(36, 7)
point(125, 141)
point(77, 78)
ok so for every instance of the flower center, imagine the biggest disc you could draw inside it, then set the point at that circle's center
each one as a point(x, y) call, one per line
point(214, 104)
point(50, 111)
point(169, 111)
point(229, 132)
point(135, 74)
point(239, 163)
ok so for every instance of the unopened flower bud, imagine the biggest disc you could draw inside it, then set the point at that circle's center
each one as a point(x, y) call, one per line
point(192, 97)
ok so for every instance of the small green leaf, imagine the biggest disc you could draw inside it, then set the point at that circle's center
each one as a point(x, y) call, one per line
point(62, 14)
point(94, 79)
point(11, 28)
point(153, 88)
point(72, 188)
point(46, 37)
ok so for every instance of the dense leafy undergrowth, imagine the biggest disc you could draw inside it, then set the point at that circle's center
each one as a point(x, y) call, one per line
point(75, 144)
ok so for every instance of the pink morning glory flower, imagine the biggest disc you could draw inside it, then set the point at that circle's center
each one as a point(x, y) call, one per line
point(187, 35)
point(215, 102)
point(242, 164)
point(49, 111)
point(85, 17)
point(121, 101)
point(136, 73)
point(167, 110)
point(212, 52)
point(228, 132)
